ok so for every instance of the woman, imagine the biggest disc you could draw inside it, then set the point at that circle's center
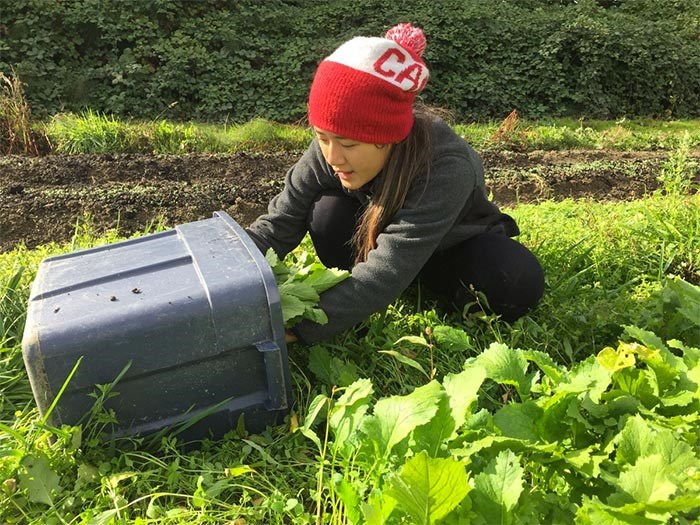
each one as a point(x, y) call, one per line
point(390, 192)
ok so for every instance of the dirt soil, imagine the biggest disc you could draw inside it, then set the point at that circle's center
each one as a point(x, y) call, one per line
point(42, 198)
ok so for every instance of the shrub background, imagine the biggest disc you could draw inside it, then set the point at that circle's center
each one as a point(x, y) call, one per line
point(225, 60)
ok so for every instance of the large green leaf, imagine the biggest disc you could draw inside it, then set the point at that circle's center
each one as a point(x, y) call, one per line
point(40, 481)
point(462, 391)
point(438, 431)
point(349, 411)
point(558, 420)
point(649, 480)
point(586, 461)
point(427, 489)
point(461, 395)
point(507, 366)
point(678, 455)
point(452, 339)
point(498, 488)
point(299, 289)
point(322, 278)
point(519, 420)
point(588, 377)
point(316, 315)
point(396, 417)
point(378, 507)
point(660, 464)
point(545, 362)
point(635, 440)
point(292, 307)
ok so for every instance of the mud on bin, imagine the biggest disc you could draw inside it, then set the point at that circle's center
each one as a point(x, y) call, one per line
point(192, 314)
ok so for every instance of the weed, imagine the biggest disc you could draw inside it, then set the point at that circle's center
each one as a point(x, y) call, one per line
point(91, 132)
point(169, 138)
point(261, 135)
point(17, 134)
point(679, 170)
point(508, 132)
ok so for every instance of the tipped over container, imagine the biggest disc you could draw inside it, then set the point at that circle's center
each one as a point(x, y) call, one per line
point(187, 320)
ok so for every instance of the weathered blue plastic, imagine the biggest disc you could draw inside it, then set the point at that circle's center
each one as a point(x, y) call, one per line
point(193, 314)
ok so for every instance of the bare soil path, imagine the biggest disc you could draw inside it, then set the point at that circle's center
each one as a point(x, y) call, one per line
point(41, 198)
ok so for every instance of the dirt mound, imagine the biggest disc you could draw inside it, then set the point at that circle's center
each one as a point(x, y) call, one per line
point(41, 198)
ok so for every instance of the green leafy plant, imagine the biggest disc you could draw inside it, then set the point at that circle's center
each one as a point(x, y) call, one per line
point(588, 443)
point(300, 280)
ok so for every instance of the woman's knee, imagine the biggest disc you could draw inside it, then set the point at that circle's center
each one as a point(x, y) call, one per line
point(503, 270)
point(331, 223)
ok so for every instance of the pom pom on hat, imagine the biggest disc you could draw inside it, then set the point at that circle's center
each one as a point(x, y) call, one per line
point(366, 88)
point(409, 37)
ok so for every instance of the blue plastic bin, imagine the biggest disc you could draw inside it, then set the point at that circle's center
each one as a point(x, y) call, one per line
point(192, 313)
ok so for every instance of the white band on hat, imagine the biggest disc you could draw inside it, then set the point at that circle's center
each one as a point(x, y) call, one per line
point(383, 59)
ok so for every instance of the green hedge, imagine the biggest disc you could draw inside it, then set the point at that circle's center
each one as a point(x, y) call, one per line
point(221, 60)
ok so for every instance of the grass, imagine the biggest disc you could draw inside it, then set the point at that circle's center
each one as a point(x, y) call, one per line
point(606, 265)
point(582, 134)
point(90, 132)
point(97, 133)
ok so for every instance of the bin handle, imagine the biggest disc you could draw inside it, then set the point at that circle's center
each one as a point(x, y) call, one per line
point(276, 379)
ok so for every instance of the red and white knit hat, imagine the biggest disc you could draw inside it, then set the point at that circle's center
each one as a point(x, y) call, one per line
point(365, 89)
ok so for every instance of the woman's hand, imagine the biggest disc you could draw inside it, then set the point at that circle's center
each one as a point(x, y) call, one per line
point(289, 337)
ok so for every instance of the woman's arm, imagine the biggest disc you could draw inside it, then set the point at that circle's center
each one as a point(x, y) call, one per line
point(284, 225)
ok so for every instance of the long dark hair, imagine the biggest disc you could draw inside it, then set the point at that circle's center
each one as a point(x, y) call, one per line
point(408, 160)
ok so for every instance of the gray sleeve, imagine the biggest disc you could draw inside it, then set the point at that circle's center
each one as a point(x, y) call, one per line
point(430, 211)
point(284, 225)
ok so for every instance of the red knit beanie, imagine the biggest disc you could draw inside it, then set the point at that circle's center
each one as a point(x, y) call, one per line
point(365, 89)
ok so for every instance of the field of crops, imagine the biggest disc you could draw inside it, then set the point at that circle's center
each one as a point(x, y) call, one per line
point(584, 411)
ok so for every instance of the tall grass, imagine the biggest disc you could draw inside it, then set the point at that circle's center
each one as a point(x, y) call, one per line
point(582, 134)
point(606, 264)
point(97, 133)
point(91, 132)
point(18, 133)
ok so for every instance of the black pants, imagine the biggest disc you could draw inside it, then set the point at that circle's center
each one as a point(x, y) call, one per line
point(506, 272)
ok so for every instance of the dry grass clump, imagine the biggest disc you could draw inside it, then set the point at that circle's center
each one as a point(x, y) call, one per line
point(16, 132)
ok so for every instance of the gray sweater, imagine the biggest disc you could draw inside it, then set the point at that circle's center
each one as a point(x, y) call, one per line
point(442, 208)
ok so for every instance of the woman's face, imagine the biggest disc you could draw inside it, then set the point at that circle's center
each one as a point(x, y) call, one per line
point(355, 163)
